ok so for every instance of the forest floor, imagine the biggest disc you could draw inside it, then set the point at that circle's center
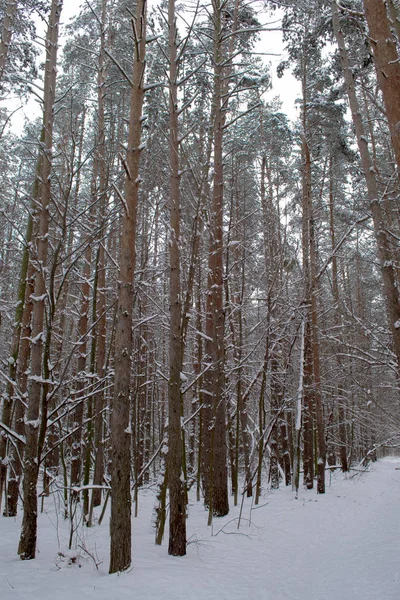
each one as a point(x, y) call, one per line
point(344, 545)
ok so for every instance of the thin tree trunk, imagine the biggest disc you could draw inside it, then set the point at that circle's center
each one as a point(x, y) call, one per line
point(261, 422)
point(308, 414)
point(9, 402)
point(337, 321)
point(76, 437)
point(17, 456)
point(298, 422)
point(319, 413)
point(101, 288)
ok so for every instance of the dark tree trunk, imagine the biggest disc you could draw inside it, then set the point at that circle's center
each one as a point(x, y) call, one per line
point(214, 443)
point(177, 504)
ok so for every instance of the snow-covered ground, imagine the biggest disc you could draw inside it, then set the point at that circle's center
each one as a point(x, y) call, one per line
point(341, 546)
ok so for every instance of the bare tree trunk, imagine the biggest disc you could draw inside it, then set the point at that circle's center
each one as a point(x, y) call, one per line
point(386, 59)
point(120, 523)
point(141, 394)
point(177, 508)
point(9, 402)
point(271, 245)
point(199, 364)
point(6, 34)
point(101, 288)
point(242, 410)
point(17, 456)
point(76, 437)
point(319, 413)
point(384, 253)
point(276, 406)
point(214, 450)
point(198, 227)
point(310, 276)
point(27, 545)
point(337, 320)
point(308, 412)
point(299, 411)
point(308, 396)
point(261, 423)
point(394, 17)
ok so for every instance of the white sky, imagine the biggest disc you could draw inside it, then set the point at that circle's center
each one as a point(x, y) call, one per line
point(71, 9)
point(287, 88)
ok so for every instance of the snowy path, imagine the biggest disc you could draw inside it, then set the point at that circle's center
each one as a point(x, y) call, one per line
point(341, 546)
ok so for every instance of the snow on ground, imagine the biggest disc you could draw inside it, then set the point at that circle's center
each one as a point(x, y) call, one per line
point(344, 545)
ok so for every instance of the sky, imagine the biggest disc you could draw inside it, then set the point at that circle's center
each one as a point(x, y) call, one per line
point(271, 42)
point(287, 88)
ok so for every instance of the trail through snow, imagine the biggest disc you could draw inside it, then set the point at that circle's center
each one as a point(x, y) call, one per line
point(344, 545)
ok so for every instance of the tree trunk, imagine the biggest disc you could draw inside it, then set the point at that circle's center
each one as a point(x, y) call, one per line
point(6, 34)
point(177, 508)
point(27, 545)
point(9, 402)
point(337, 321)
point(310, 277)
point(101, 288)
point(319, 414)
point(17, 456)
point(120, 523)
point(83, 322)
point(308, 397)
point(386, 60)
point(394, 17)
point(384, 253)
point(214, 449)
point(298, 422)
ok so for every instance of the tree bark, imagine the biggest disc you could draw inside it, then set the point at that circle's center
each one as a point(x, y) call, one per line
point(394, 16)
point(6, 34)
point(385, 257)
point(299, 417)
point(120, 522)
point(177, 508)
point(214, 450)
point(101, 288)
point(319, 412)
point(337, 321)
point(308, 397)
point(27, 545)
point(17, 456)
point(9, 402)
point(76, 437)
point(386, 60)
